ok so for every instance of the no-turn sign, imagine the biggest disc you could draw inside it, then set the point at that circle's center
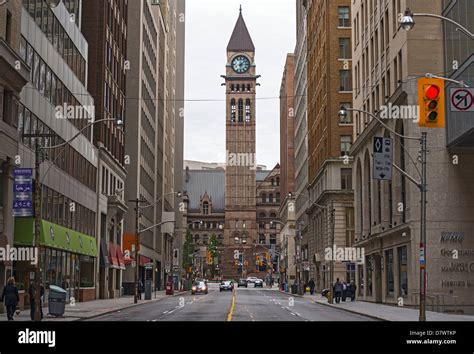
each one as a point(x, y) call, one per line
point(462, 99)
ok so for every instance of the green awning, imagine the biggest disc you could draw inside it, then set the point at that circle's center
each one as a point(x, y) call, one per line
point(54, 236)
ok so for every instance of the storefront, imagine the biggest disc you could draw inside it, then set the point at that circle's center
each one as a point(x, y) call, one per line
point(67, 258)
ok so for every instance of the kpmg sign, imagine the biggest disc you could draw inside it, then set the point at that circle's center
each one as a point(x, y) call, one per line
point(23, 192)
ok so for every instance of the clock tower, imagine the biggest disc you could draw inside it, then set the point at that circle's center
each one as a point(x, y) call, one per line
point(240, 232)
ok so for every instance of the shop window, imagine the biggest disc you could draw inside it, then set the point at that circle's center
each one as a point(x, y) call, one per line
point(403, 271)
point(389, 270)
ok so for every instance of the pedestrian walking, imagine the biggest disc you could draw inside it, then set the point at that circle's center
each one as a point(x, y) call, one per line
point(32, 294)
point(337, 291)
point(11, 297)
point(344, 291)
point(311, 285)
point(353, 288)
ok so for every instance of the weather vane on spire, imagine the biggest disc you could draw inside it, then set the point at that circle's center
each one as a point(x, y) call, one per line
point(240, 8)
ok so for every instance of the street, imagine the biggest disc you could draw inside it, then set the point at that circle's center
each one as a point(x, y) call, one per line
point(250, 304)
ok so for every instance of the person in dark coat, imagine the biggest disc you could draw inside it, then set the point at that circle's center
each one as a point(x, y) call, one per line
point(353, 288)
point(11, 297)
point(32, 294)
point(311, 285)
point(338, 291)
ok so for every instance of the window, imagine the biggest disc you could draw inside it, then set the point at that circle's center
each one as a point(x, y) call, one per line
point(344, 48)
point(345, 78)
point(344, 17)
point(261, 239)
point(403, 271)
point(247, 111)
point(350, 227)
point(389, 270)
point(241, 110)
point(346, 178)
point(273, 239)
point(205, 208)
point(346, 144)
point(348, 118)
point(264, 197)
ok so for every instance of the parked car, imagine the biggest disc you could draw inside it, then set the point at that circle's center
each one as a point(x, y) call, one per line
point(242, 282)
point(199, 287)
point(226, 285)
point(251, 279)
point(258, 283)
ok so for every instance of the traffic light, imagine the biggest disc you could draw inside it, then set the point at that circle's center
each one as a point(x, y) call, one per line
point(268, 257)
point(209, 257)
point(431, 100)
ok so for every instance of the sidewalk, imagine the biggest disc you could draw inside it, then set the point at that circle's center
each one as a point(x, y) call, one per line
point(384, 312)
point(90, 309)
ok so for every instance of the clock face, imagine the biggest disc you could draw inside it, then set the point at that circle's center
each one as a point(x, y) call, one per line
point(241, 64)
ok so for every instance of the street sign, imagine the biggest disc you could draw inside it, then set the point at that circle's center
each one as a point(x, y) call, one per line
point(23, 192)
point(383, 158)
point(462, 99)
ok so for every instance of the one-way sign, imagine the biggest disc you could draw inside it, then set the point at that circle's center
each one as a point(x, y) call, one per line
point(383, 158)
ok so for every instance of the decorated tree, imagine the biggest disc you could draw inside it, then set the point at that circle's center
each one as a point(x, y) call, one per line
point(214, 254)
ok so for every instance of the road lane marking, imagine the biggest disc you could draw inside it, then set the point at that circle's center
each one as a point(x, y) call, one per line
point(232, 306)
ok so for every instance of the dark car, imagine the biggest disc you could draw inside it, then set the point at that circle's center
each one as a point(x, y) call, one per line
point(258, 283)
point(226, 285)
point(199, 287)
point(242, 282)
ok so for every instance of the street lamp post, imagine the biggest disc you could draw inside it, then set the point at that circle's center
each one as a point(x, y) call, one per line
point(422, 186)
point(408, 22)
point(138, 232)
point(37, 198)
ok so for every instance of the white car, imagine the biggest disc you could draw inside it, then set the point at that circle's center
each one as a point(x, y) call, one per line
point(252, 279)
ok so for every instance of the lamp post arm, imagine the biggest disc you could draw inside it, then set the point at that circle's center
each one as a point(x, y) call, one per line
point(417, 183)
point(159, 199)
point(64, 145)
point(381, 122)
point(151, 227)
point(459, 27)
point(433, 76)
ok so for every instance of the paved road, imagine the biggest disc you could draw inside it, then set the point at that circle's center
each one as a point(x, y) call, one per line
point(250, 304)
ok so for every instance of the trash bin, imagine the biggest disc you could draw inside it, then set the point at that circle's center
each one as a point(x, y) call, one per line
point(294, 288)
point(169, 288)
point(56, 301)
point(148, 290)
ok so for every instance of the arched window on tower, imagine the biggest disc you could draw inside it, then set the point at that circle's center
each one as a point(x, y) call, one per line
point(232, 88)
point(249, 88)
point(233, 110)
point(247, 111)
point(241, 110)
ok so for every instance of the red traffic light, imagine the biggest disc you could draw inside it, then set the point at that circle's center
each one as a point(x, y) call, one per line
point(432, 92)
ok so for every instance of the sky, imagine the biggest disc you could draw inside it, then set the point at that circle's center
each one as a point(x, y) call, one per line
point(209, 26)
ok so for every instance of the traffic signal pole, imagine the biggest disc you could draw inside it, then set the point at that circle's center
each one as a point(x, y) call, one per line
point(423, 187)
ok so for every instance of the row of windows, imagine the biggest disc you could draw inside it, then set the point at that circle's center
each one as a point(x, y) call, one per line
point(241, 88)
point(111, 185)
point(49, 86)
point(262, 239)
point(270, 198)
point(57, 35)
point(66, 158)
point(63, 211)
point(240, 116)
point(205, 239)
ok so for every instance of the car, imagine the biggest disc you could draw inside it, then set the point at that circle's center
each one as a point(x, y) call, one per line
point(258, 283)
point(199, 287)
point(226, 285)
point(242, 282)
point(251, 279)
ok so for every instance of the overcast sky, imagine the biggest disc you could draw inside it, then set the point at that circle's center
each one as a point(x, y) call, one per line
point(209, 26)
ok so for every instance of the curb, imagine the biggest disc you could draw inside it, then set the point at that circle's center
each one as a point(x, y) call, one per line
point(352, 311)
point(341, 308)
point(124, 308)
